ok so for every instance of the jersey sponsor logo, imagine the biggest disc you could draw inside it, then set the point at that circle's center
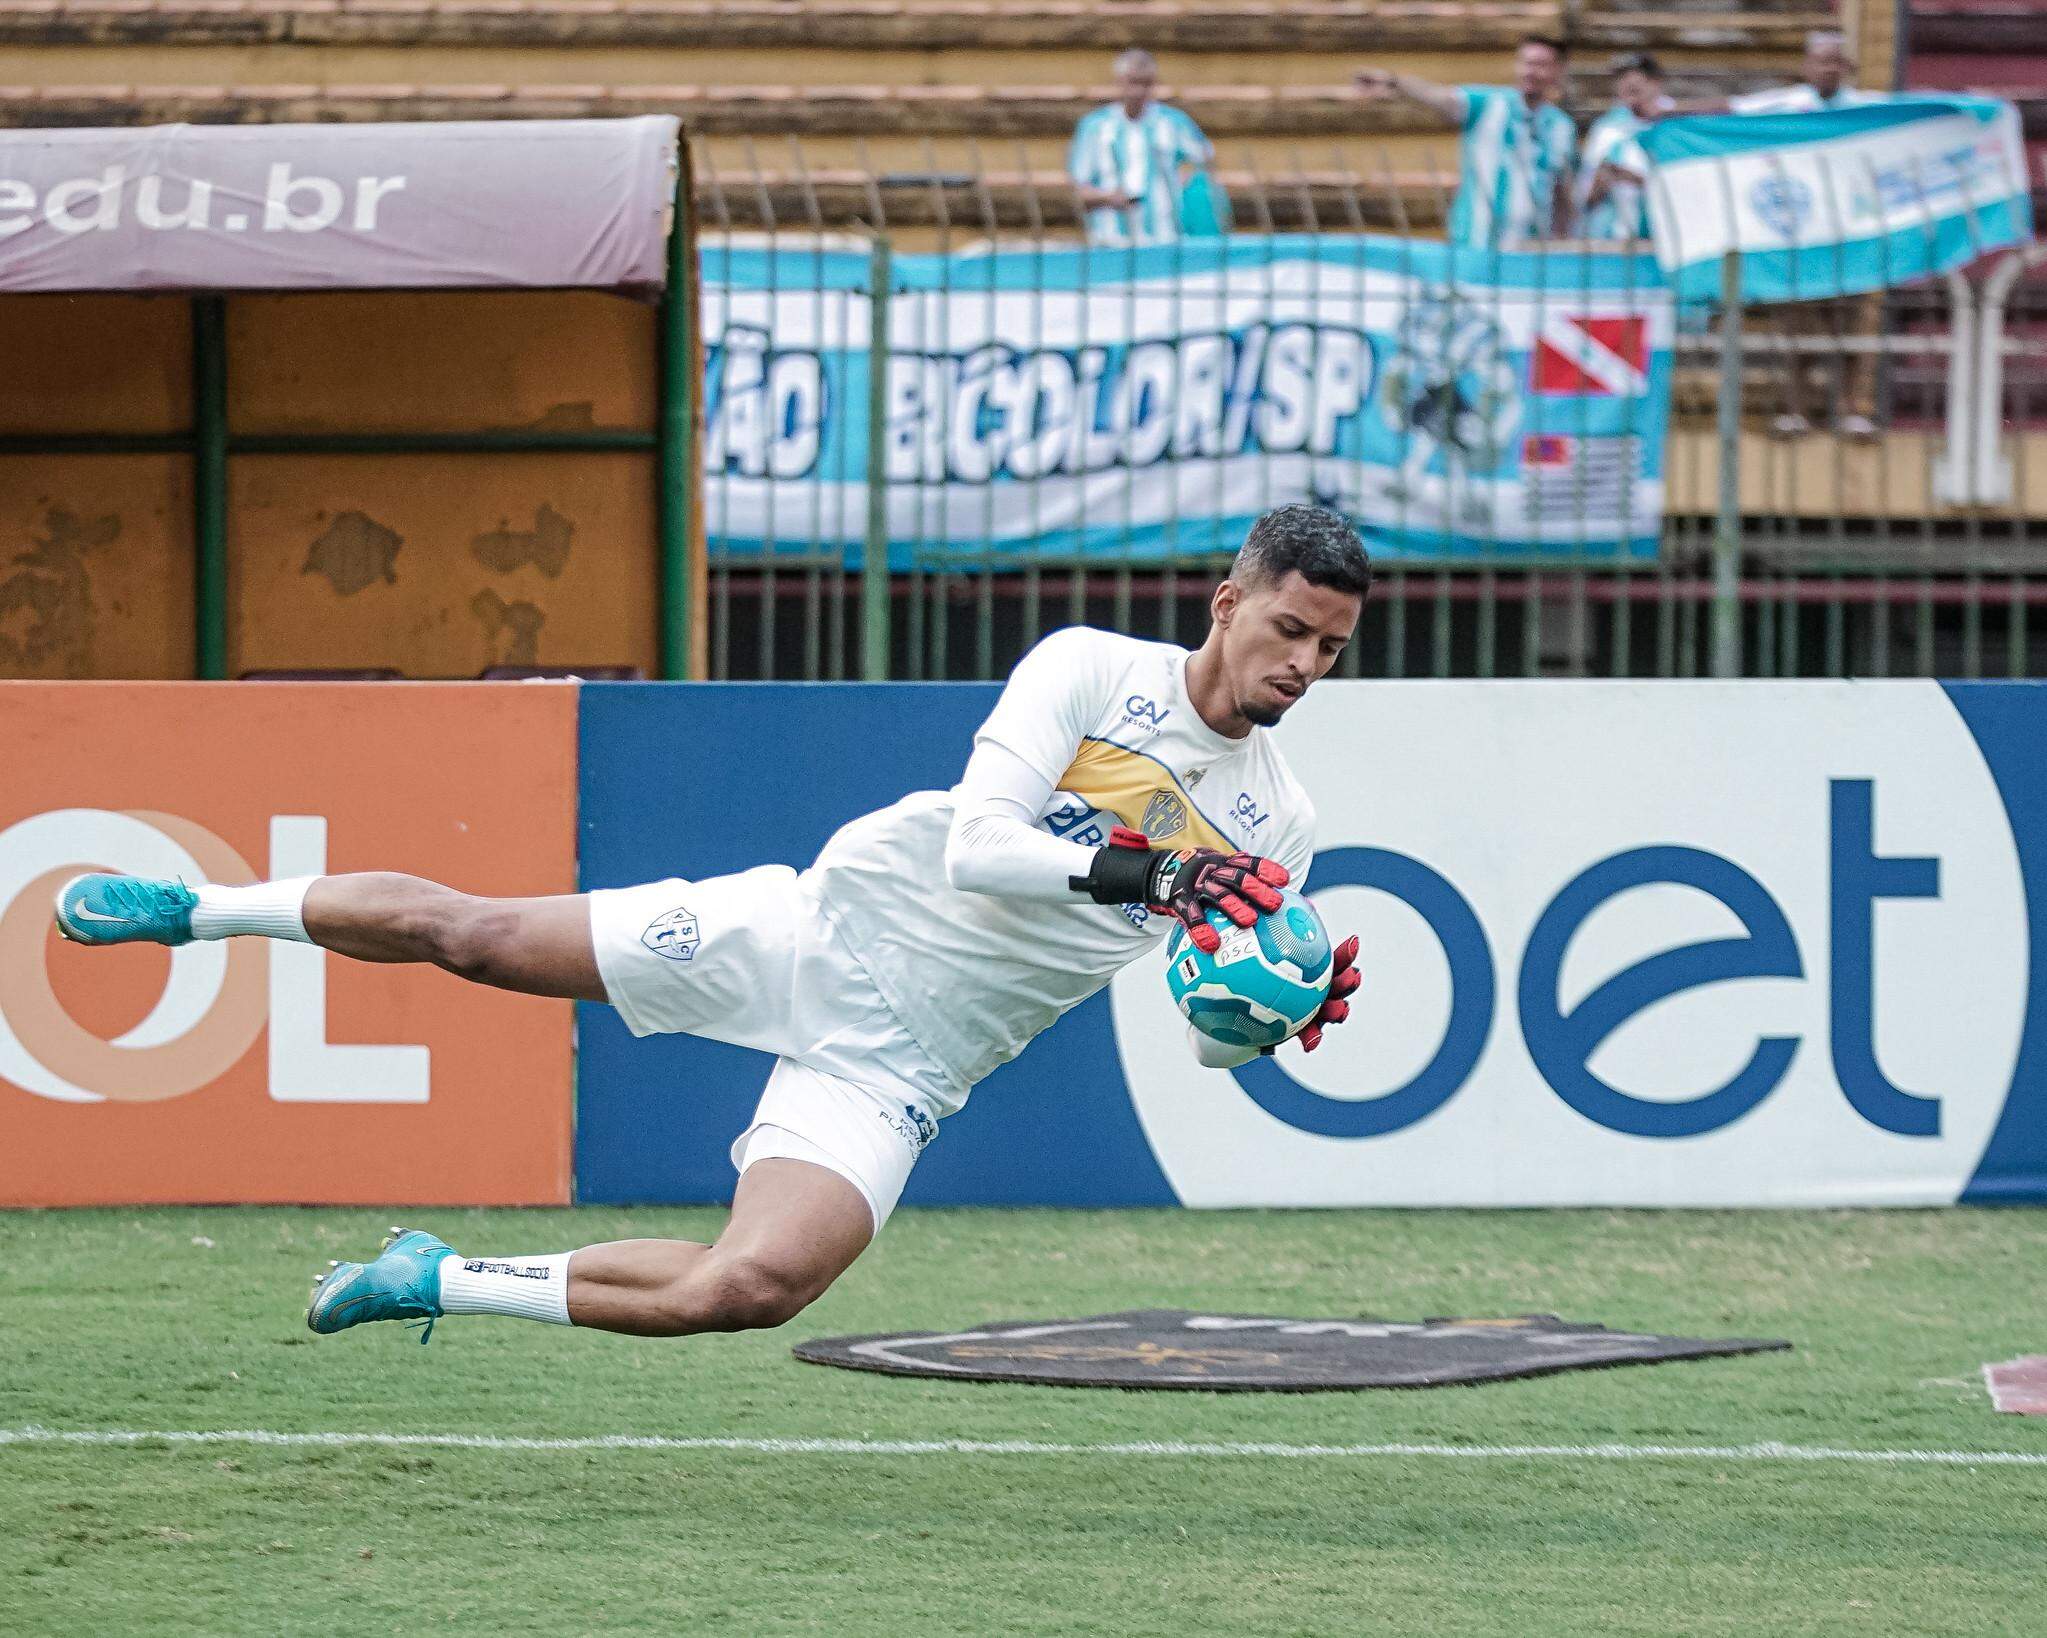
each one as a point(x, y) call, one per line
point(1164, 815)
point(1246, 812)
point(675, 935)
point(1075, 821)
point(1147, 713)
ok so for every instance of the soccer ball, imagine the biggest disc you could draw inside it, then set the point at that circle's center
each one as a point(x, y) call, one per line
point(1265, 982)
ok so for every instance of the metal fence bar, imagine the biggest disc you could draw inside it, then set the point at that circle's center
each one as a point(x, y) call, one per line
point(874, 567)
point(209, 483)
point(674, 477)
point(1727, 518)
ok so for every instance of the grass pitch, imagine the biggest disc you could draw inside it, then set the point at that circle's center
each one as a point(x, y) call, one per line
point(171, 1320)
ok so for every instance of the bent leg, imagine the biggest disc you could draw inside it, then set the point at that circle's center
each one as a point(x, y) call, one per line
point(795, 1228)
point(536, 946)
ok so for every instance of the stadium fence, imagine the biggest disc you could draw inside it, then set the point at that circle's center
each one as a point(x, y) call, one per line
point(1913, 552)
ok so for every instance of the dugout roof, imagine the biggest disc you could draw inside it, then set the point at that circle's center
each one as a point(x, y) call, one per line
point(526, 204)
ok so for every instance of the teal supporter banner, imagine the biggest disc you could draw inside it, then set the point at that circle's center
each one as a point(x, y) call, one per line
point(1836, 202)
point(1144, 404)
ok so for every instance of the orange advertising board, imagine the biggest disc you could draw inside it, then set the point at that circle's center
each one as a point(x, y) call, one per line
point(258, 1070)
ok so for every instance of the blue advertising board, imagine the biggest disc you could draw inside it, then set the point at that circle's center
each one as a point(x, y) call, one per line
point(1624, 944)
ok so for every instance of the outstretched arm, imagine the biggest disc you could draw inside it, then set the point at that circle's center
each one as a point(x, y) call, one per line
point(995, 846)
point(1447, 100)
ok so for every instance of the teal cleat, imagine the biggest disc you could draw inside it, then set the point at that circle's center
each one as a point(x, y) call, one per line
point(404, 1283)
point(103, 909)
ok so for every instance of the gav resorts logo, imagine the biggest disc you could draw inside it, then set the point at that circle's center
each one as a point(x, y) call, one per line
point(1783, 204)
point(1146, 713)
point(218, 995)
point(674, 935)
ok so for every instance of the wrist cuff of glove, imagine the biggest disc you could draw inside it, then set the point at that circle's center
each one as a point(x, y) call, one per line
point(1123, 875)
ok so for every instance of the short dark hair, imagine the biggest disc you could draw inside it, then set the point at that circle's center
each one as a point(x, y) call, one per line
point(1319, 545)
point(1637, 62)
point(1563, 51)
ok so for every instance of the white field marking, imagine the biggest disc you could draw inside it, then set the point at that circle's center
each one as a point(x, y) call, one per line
point(1763, 1451)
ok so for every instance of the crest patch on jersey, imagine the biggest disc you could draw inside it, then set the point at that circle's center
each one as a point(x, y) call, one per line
point(674, 935)
point(1164, 815)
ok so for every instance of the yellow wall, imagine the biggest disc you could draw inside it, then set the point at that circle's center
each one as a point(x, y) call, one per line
point(438, 565)
point(95, 566)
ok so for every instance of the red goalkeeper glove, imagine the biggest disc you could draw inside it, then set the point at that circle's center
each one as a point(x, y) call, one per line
point(1185, 883)
point(1343, 979)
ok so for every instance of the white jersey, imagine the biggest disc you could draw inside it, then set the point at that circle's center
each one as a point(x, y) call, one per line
point(1803, 99)
point(1106, 719)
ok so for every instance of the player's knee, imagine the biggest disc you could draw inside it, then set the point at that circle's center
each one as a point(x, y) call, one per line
point(751, 1294)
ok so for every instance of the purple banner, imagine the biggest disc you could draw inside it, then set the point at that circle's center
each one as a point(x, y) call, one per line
point(532, 204)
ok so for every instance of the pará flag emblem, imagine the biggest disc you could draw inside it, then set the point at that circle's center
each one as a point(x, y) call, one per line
point(1596, 357)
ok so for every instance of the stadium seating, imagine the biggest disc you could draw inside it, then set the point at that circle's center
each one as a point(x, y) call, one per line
point(896, 89)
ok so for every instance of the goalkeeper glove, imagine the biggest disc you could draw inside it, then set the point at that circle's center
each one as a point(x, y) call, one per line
point(1343, 978)
point(1183, 882)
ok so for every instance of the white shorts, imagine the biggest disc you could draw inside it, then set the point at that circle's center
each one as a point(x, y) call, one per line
point(755, 960)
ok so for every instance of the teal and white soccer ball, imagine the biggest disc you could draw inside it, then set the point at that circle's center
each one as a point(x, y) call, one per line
point(1265, 982)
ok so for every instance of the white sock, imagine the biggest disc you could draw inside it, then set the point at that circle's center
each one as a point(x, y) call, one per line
point(535, 1288)
point(266, 909)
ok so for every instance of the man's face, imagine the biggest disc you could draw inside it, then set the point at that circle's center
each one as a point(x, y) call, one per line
point(1279, 636)
point(1537, 72)
point(1134, 88)
point(1638, 93)
point(1826, 68)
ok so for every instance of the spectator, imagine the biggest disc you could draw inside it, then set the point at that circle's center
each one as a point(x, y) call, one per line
point(1827, 71)
point(1519, 147)
point(1132, 159)
point(1612, 201)
point(1843, 374)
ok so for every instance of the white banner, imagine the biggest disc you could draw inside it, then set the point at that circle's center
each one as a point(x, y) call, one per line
point(1627, 944)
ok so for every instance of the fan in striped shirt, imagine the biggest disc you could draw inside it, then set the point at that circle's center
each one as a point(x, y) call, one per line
point(1133, 159)
point(1519, 147)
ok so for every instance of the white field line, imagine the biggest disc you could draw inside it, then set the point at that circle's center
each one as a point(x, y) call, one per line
point(1764, 1451)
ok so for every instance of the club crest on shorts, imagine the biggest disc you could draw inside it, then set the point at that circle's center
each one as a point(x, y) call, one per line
point(674, 935)
point(1164, 815)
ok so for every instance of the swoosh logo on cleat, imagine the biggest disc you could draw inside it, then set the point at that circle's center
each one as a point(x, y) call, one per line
point(82, 914)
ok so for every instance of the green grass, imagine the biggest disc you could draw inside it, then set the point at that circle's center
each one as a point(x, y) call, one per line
point(123, 1320)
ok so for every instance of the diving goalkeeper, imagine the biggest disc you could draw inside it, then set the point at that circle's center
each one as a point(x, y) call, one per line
point(1116, 786)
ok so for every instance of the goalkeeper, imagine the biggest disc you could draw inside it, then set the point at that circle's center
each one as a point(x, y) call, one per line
point(1117, 785)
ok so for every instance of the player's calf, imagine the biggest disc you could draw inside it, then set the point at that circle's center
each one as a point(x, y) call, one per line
point(732, 1293)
